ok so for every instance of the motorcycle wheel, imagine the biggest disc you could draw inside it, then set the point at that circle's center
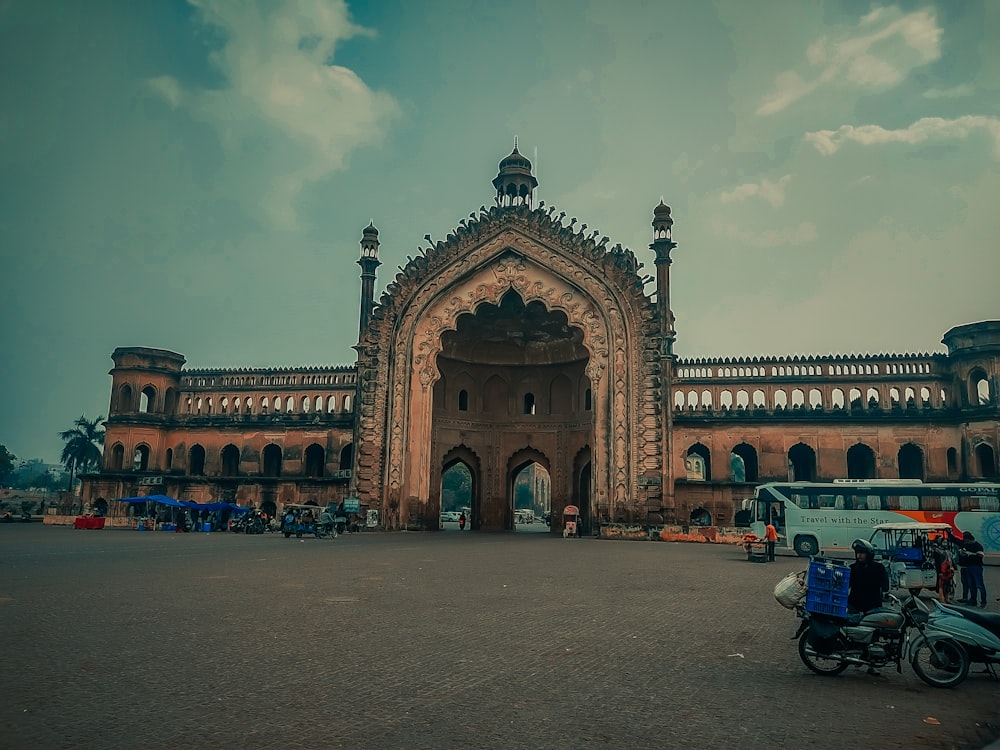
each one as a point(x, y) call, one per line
point(943, 664)
point(287, 534)
point(817, 662)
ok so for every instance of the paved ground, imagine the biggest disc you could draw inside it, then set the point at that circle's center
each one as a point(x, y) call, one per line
point(119, 639)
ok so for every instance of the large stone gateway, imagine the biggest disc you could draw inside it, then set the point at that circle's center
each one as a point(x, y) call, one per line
point(523, 339)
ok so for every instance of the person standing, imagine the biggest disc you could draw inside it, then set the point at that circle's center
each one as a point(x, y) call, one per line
point(770, 539)
point(972, 558)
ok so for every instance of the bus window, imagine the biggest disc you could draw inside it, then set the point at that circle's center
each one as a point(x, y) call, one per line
point(829, 501)
point(980, 502)
point(909, 502)
point(875, 502)
point(930, 503)
point(949, 502)
point(891, 502)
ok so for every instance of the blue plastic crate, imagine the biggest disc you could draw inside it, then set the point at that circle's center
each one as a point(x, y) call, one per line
point(834, 605)
point(831, 575)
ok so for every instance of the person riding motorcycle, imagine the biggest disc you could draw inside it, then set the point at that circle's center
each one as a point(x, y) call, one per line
point(869, 579)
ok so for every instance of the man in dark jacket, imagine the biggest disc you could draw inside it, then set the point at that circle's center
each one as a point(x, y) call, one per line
point(869, 579)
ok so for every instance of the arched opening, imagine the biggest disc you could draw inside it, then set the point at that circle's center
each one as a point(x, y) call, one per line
point(463, 400)
point(272, 460)
point(456, 494)
point(315, 460)
point(125, 398)
point(147, 399)
point(910, 460)
point(979, 388)
point(346, 457)
point(140, 458)
point(196, 461)
point(101, 507)
point(860, 462)
point(529, 403)
point(801, 463)
point(169, 459)
point(698, 463)
point(952, 463)
point(117, 457)
point(230, 461)
point(986, 461)
point(701, 517)
point(532, 496)
point(269, 507)
point(744, 463)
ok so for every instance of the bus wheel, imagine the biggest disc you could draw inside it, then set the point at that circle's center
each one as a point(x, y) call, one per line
point(805, 546)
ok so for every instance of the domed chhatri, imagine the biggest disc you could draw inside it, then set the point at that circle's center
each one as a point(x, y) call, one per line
point(514, 183)
point(370, 230)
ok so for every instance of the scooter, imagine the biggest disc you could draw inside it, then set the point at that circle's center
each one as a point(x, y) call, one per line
point(978, 632)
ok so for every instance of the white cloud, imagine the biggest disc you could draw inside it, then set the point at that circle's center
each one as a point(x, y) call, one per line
point(955, 92)
point(283, 90)
point(803, 233)
point(772, 192)
point(167, 88)
point(828, 142)
point(879, 53)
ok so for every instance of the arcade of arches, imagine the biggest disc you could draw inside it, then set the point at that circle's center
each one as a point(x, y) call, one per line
point(522, 344)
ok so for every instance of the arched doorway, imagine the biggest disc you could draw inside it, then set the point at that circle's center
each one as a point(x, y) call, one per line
point(529, 485)
point(911, 462)
point(860, 462)
point(801, 463)
point(461, 487)
point(532, 497)
point(583, 473)
point(986, 461)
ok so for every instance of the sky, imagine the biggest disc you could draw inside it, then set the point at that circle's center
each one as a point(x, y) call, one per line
point(195, 176)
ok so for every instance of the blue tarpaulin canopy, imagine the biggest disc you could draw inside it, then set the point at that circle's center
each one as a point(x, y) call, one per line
point(190, 504)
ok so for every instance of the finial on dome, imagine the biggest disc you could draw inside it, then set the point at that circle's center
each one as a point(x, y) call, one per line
point(514, 182)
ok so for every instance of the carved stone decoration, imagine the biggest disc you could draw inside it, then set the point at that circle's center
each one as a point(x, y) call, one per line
point(542, 261)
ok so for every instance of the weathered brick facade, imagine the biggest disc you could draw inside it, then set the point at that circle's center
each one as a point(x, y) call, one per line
point(523, 338)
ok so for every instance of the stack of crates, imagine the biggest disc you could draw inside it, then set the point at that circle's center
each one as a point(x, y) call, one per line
point(829, 582)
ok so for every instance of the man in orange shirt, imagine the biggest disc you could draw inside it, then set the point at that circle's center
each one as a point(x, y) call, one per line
point(771, 538)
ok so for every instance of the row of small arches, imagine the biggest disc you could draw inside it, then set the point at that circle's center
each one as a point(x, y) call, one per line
point(271, 460)
point(777, 371)
point(854, 399)
point(330, 404)
point(210, 381)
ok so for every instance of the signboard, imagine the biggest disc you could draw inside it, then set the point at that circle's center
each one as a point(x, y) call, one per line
point(372, 518)
point(150, 480)
point(352, 505)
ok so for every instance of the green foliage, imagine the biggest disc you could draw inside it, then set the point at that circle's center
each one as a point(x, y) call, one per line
point(456, 487)
point(82, 451)
point(7, 463)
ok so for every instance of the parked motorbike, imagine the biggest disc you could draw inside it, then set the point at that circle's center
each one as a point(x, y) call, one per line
point(978, 632)
point(828, 645)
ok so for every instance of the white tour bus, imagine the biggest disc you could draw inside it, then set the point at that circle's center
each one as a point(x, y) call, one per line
point(815, 518)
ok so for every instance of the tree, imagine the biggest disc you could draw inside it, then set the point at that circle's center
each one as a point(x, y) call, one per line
point(7, 463)
point(82, 451)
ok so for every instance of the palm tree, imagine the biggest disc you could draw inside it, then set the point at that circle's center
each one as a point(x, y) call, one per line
point(82, 451)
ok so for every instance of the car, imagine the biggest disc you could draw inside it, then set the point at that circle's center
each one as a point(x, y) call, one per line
point(450, 515)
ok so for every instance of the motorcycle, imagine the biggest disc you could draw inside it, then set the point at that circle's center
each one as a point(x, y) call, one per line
point(978, 632)
point(828, 645)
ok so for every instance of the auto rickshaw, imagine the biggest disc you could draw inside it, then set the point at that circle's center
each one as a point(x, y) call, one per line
point(907, 550)
point(571, 519)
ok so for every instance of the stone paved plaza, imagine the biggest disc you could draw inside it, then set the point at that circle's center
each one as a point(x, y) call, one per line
point(123, 639)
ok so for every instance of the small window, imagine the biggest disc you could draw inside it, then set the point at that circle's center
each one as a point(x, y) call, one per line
point(463, 400)
point(587, 400)
point(529, 403)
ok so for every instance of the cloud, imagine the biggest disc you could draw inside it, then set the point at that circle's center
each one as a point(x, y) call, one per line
point(828, 142)
point(283, 90)
point(772, 192)
point(955, 92)
point(879, 53)
point(803, 233)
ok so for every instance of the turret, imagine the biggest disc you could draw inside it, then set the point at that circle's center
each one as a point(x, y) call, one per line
point(514, 182)
point(662, 245)
point(369, 262)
